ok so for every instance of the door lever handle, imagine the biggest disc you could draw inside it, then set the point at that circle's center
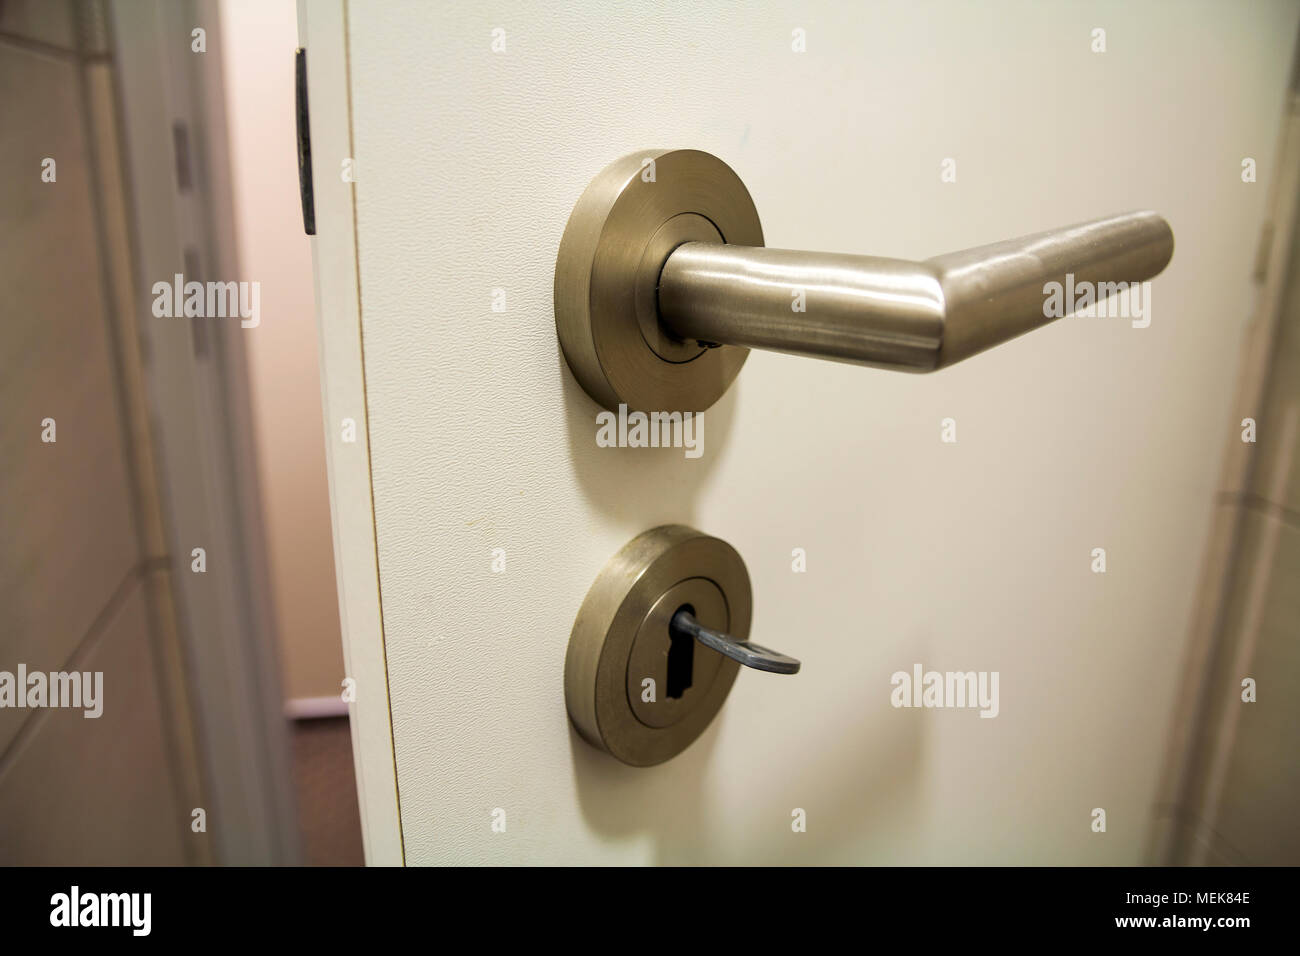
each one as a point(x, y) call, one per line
point(757, 656)
point(896, 314)
point(663, 284)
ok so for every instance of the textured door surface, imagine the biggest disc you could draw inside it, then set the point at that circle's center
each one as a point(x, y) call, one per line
point(473, 129)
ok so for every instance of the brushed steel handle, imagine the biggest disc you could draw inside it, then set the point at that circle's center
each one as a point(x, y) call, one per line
point(663, 259)
point(894, 313)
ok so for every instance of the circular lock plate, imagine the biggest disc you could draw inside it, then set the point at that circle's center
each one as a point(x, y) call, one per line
point(621, 627)
point(622, 230)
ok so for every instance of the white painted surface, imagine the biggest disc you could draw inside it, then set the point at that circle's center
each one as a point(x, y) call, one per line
point(322, 32)
point(973, 556)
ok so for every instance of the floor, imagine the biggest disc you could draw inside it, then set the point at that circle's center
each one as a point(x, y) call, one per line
point(327, 792)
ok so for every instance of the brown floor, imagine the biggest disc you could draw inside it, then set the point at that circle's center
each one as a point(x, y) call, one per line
point(326, 788)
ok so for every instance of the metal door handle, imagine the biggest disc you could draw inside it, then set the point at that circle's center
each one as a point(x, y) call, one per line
point(656, 271)
point(892, 313)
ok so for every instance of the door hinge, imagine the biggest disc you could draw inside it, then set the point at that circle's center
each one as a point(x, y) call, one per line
point(304, 143)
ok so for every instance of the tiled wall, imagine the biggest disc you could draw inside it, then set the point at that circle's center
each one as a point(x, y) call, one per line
point(84, 573)
point(1252, 809)
point(1235, 784)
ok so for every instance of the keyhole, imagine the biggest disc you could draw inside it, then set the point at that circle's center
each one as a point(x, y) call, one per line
point(681, 659)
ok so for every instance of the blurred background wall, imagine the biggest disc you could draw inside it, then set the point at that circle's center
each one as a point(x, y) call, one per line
point(173, 152)
point(283, 365)
point(85, 568)
point(1232, 783)
point(258, 40)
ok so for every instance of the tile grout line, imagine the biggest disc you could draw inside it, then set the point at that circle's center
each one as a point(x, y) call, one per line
point(134, 577)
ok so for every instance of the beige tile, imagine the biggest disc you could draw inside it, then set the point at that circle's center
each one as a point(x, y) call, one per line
point(81, 791)
point(1253, 365)
point(1172, 821)
point(1276, 473)
point(1261, 783)
point(174, 689)
point(44, 21)
point(65, 508)
point(126, 315)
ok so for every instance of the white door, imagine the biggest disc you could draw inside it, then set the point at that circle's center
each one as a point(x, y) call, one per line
point(474, 507)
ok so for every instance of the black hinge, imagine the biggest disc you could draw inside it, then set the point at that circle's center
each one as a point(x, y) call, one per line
point(304, 143)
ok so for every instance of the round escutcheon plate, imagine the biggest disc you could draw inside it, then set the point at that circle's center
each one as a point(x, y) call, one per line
point(620, 638)
point(624, 227)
